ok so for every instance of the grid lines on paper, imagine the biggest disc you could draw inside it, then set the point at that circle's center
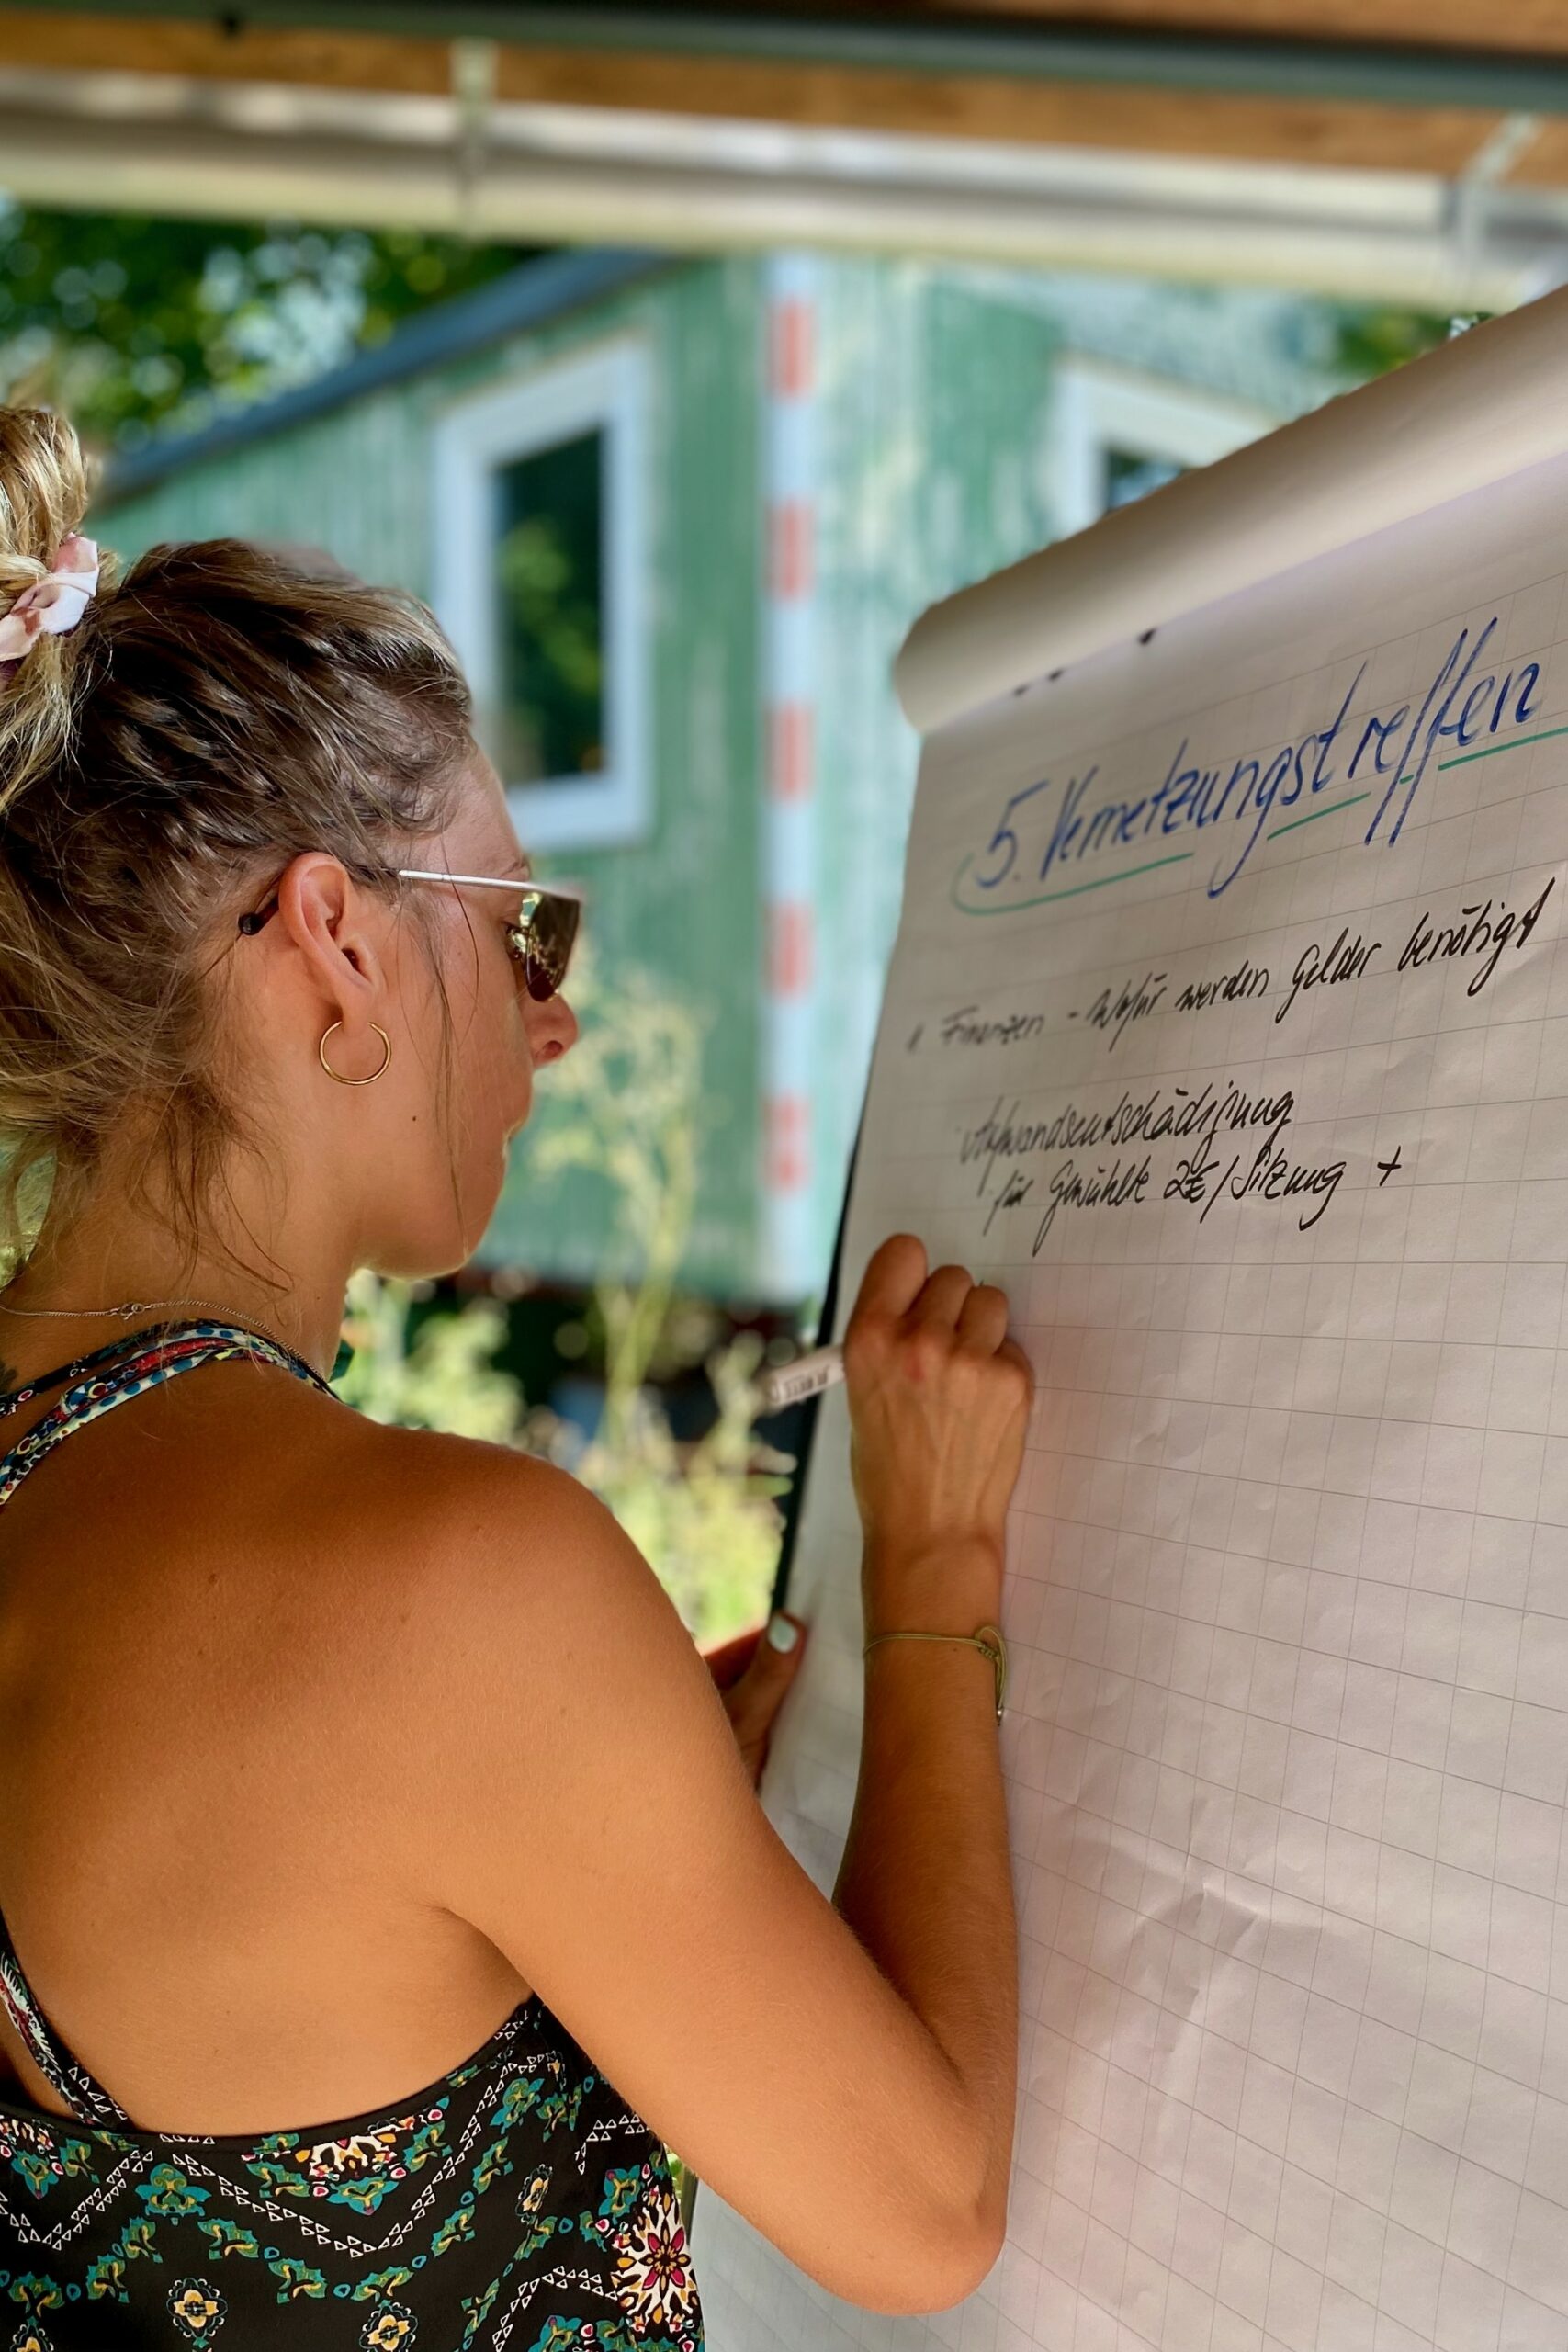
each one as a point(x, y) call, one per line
point(1287, 1593)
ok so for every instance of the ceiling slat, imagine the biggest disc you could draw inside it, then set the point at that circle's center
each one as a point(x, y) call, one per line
point(1031, 113)
point(1536, 27)
point(69, 41)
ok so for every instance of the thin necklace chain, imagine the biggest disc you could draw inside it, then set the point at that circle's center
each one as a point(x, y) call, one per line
point(129, 1309)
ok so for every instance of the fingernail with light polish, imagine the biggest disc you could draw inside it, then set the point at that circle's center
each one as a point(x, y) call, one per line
point(782, 1633)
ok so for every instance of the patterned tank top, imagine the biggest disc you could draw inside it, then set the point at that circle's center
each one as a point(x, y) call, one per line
point(518, 2201)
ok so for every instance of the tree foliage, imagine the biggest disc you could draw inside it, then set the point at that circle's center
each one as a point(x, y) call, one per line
point(1370, 338)
point(134, 325)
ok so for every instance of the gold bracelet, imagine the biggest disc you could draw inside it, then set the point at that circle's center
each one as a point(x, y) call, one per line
point(996, 1649)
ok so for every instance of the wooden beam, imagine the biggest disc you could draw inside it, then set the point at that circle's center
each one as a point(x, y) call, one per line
point(1544, 163)
point(351, 59)
point(1071, 114)
point(1537, 26)
point(70, 42)
point(1030, 113)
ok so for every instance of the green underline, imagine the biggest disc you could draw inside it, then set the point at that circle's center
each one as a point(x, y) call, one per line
point(1017, 905)
point(1490, 752)
point(1313, 814)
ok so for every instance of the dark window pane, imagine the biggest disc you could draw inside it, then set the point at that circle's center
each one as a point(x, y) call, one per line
point(1129, 474)
point(549, 585)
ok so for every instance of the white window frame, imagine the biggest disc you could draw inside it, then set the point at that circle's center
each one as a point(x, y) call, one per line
point(1097, 406)
point(606, 389)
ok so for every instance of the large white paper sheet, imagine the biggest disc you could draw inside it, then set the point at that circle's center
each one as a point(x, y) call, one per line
point(1228, 1029)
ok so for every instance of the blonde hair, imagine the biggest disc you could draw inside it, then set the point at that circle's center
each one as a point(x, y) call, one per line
point(215, 713)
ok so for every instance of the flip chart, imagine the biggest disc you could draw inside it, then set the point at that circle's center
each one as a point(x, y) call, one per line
point(1227, 1029)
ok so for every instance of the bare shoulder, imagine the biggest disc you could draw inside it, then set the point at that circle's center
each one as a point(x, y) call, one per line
point(439, 1580)
point(473, 1625)
point(492, 1574)
point(459, 1511)
point(492, 1531)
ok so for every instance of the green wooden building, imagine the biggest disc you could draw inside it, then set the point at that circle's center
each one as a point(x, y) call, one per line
point(677, 517)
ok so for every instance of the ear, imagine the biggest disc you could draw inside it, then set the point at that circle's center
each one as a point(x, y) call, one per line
point(334, 922)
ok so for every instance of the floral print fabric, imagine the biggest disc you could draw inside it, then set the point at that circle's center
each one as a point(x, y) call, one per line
point(518, 2203)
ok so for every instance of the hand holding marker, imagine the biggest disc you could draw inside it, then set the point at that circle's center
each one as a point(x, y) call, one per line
point(808, 1376)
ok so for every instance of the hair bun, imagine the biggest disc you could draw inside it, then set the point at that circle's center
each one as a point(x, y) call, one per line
point(43, 493)
point(43, 500)
point(161, 762)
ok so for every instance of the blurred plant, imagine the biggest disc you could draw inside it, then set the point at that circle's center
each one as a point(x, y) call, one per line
point(623, 1108)
point(702, 1514)
point(443, 1378)
point(1370, 338)
point(135, 324)
point(623, 1105)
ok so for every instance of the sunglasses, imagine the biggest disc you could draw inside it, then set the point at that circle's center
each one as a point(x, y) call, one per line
point(539, 941)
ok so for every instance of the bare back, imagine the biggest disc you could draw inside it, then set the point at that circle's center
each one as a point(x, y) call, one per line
point(334, 1754)
point(206, 1735)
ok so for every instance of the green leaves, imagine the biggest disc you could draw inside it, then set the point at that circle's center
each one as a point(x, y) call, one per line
point(134, 325)
point(440, 1377)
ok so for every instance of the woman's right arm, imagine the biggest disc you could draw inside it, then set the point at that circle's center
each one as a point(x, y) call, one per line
point(843, 2076)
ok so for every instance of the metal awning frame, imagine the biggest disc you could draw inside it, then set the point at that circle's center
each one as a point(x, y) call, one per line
point(458, 146)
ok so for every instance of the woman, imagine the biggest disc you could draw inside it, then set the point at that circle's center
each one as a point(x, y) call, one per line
point(358, 1773)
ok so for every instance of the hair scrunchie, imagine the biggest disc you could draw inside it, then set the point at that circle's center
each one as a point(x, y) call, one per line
point(54, 605)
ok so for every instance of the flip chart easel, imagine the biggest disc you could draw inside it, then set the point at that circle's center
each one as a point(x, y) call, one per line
point(1227, 1028)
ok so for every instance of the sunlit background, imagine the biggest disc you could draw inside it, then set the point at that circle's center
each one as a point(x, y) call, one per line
point(679, 359)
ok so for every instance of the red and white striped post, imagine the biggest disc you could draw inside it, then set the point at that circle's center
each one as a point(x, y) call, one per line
point(788, 830)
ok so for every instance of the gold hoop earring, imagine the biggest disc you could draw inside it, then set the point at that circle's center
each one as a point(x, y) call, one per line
point(336, 1076)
